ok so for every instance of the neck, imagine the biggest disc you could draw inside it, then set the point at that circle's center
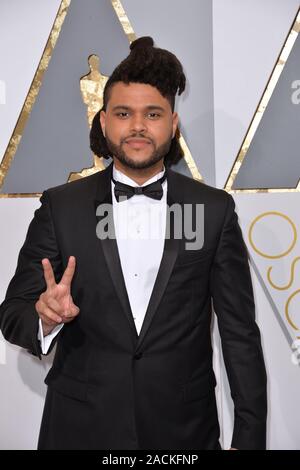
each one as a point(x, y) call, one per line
point(139, 175)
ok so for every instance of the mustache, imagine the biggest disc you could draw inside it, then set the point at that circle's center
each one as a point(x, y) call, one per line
point(138, 135)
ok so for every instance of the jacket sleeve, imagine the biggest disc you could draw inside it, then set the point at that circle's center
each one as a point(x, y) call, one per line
point(232, 293)
point(19, 321)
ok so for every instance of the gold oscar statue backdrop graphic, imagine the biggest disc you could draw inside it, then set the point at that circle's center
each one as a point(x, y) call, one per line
point(92, 86)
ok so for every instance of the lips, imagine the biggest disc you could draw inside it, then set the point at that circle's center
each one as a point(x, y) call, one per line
point(137, 143)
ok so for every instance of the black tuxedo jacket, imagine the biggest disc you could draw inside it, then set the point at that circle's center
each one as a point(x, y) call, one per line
point(110, 388)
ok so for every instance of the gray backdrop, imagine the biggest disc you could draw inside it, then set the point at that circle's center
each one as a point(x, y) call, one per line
point(56, 138)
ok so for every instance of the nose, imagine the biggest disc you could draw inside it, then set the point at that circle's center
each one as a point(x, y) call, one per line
point(138, 123)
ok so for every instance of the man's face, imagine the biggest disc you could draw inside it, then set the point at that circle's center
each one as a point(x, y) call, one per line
point(138, 124)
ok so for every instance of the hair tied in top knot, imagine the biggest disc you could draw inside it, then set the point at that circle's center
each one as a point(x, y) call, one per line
point(145, 41)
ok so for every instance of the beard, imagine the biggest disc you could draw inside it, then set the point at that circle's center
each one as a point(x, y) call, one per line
point(158, 153)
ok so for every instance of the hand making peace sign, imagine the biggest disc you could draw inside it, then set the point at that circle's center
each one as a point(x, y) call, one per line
point(55, 305)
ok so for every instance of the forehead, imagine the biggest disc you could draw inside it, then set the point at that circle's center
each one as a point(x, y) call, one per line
point(136, 95)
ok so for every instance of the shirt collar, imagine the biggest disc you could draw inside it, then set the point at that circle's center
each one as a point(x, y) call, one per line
point(119, 176)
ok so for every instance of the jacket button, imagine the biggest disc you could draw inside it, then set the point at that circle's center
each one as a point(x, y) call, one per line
point(138, 355)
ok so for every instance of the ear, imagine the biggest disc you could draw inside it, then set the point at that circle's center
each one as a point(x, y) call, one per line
point(175, 119)
point(102, 121)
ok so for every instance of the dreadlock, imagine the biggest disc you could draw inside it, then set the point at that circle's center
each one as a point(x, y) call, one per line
point(148, 65)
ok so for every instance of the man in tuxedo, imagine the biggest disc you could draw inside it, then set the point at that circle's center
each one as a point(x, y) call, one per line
point(131, 315)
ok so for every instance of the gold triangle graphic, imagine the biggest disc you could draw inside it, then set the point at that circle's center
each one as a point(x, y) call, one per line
point(31, 97)
point(266, 96)
point(34, 90)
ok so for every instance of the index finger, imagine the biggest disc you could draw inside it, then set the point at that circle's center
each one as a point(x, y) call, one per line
point(69, 272)
point(48, 273)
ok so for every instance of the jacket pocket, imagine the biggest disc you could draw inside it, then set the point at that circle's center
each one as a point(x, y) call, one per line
point(199, 387)
point(66, 385)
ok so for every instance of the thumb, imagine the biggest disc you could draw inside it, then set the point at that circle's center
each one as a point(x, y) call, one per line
point(73, 308)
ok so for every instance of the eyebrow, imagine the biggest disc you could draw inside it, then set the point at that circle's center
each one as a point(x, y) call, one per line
point(151, 107)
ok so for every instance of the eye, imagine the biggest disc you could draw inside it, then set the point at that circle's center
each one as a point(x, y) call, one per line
point(154, 115)
point(122, 114)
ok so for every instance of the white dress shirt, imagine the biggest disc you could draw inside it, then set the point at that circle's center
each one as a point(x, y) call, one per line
point(140, 224)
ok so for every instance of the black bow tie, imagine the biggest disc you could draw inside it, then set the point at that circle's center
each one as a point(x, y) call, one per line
point(153, 190)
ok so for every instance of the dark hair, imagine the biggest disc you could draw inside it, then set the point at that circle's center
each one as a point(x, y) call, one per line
point(148, 65)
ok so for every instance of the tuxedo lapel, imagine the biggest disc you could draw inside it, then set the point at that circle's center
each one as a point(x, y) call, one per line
point(109, 248)
point(171, 248)
point(110, 251)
